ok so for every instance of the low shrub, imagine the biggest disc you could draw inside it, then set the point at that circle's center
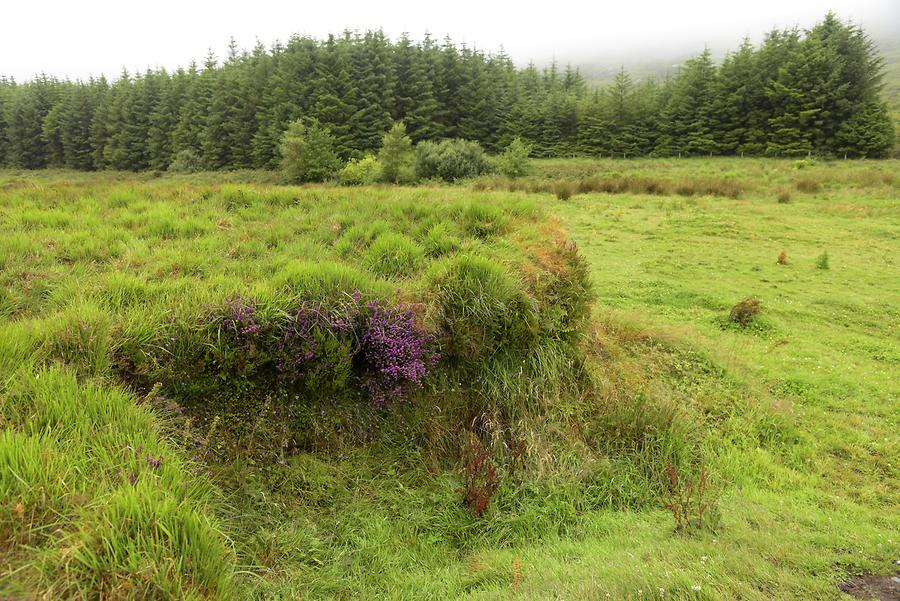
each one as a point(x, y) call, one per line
point(186, 161)
point(397, 157)
point(450, 160)
point(745, 312)
point(514, 161)
point(360, 172)
point(822, 261)
point(307, 152)
point(690, 500)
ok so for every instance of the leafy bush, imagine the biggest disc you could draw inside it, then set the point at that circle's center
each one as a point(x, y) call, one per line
point(307, 152)
point(514, 162)
point(186, 161)
point(360, 172)
point(745, 312)
point(397, 157)
point(450, 160)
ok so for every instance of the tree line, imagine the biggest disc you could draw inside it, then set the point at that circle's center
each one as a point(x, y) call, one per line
point(816, 91)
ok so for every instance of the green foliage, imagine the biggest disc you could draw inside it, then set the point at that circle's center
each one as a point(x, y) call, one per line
point(397, 157)
point(514, 161)
point(307, 152)
point(361, 172)
point(450, 160)
point(186, 161)
point(822, 261)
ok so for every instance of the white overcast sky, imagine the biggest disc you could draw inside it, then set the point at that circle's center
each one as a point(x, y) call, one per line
point(80, 38)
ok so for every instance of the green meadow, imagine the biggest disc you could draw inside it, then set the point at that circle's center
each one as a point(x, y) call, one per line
point(193, 404)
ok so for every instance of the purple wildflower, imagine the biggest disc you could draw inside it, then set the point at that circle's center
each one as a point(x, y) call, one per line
point(237, 318)
point(395, 351)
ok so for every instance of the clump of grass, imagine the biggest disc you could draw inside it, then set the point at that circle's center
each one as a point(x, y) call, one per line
point(745, 312)
point(394, 255)
point(822, 261)
point(440, 240)
point(782, 258)
point(808, 185)
point(564, 190)
point(784, 196)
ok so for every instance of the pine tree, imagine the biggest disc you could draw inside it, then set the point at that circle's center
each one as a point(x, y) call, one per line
point(414, 101)
point(373, 95)
point(25, 134)
point(308, 152)
point(335, 101)
point(77, 119)
point(688, 117)
point(6, 91)
point(397, 157)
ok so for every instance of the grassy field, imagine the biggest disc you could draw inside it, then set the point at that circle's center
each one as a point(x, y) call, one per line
point(132, 467)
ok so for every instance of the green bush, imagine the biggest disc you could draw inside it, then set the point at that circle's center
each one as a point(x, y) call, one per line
point(451, 160)
point(360, 172)
point(186, 161)
point(397, 157)
point(307, 152)
point(392, 255)
point(514, 161)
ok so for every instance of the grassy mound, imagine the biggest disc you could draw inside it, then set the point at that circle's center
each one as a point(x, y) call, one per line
point(275, 329)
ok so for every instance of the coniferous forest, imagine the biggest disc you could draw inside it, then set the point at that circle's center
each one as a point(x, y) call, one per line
point(815, 91)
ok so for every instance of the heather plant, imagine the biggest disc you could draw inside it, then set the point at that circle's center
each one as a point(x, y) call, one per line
point(396, 353)
point(237, 336)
